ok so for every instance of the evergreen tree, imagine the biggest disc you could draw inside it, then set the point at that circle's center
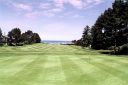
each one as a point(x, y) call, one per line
point(111, 27)
point(86, 37)
point(1, 38)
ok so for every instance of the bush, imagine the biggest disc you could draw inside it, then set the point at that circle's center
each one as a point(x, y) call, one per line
point(124, 49)
point(111, 48)
point(1, 44)
point(114, 50)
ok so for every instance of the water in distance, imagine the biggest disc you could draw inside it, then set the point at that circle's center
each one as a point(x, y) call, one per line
point(56, 42)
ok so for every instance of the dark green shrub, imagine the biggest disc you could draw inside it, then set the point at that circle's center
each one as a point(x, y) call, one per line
point(124, 49)
point(111, 48)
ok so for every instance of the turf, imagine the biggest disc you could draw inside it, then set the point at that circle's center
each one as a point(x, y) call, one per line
point(44, 64)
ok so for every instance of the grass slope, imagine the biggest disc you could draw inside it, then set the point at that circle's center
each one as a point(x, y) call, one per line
point(43, 64)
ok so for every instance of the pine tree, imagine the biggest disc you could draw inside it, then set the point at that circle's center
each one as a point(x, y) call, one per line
point(86, 37)
point(114, 23)
point(1, 38)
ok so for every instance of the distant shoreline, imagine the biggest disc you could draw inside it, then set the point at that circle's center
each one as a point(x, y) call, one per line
point(56, 42)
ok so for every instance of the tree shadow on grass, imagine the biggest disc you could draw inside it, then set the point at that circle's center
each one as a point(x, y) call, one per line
point(109, 52)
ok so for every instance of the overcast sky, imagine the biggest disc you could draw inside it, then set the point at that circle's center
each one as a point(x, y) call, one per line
point(52, 19)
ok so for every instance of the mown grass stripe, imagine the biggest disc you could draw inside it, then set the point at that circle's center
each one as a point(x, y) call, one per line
point(74, 74)
point(108, 78)
point(27, 74)
point(11, 68)
point(54, 74)
point(114, 62)
point(114, 72)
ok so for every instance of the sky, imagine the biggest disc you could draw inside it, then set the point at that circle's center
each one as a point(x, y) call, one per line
point(51, 19)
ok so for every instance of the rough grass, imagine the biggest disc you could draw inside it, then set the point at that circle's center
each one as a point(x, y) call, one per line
point(43, 64)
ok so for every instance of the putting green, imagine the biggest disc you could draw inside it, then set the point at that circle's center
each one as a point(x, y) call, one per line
point(44, 64)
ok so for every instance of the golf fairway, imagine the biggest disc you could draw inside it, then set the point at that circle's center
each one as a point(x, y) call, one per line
point(45, 64)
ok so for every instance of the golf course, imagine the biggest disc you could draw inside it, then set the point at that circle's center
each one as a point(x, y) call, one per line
point(46, 64)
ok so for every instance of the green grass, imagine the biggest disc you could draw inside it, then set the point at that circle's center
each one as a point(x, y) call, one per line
point(44, 64)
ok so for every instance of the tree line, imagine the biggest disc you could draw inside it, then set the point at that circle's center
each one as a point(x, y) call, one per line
point(16, 38)
point(110, 30)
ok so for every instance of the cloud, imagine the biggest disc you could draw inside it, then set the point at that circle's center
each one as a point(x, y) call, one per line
point(48, 14)
point(55, 10)
point(59, 3)
point(98, 1)
point(79, 4)
point(76, 3)
point(71, 15)
point(32, 15)
point(51, 7)
point(51, 12)
point(56, 6)
point(77, 16)
point(45, 5)
point(22, 6)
